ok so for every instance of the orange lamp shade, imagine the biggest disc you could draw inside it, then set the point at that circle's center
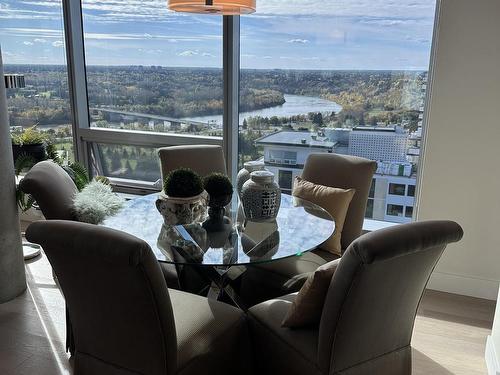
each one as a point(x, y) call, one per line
point(224, 7)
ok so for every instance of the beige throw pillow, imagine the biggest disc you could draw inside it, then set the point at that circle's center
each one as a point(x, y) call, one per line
point(334, 200)
point(307, 307)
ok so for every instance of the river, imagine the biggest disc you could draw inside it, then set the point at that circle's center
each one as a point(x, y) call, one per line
point(294, 105)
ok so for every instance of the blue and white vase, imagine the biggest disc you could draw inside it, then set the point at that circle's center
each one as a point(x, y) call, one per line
point(244, 174)
point(261, 197)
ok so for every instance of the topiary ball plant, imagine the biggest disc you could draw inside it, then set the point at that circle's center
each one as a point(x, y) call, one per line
point(217, 185)
point(182, 183)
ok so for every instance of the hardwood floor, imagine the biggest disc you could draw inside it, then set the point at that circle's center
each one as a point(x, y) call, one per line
point(449, 336)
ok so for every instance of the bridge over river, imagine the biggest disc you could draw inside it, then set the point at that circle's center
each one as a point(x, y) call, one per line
point(124, 115)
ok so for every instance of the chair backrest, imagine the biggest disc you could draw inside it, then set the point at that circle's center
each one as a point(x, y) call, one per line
point(116, 296)
point(346, 172)
point(202, 159)
point(374, 294)
point(52, 188)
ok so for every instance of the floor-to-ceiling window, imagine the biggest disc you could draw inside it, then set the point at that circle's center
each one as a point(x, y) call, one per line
point(32, 40)
point(345, 77)
point(348, 75)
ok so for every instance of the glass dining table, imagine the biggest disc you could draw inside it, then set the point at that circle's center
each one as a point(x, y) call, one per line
point(222, 253)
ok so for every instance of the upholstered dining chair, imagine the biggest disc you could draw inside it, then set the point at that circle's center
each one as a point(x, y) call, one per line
point(202, 159)
point(287, 275)
point(368, 314)
point(52, 188)
point(125, 319)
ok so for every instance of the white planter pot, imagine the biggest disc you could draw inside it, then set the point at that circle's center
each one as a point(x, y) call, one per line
point(179, 211)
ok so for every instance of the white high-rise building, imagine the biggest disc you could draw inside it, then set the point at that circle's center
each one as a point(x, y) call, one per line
point(387, 144)
point(392, 193)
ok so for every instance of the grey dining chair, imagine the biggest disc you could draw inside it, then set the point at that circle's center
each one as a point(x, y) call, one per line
point(125, 319)
point(52, 188)
point(369, 310)
point(54, 191)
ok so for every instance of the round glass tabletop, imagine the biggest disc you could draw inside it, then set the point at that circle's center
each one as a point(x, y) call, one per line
point(299, 227)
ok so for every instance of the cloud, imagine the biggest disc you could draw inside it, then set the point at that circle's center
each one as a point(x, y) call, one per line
point(28, 43)
point(386, 21)
point(348, 8)
point(6, 12)
point(39, 40)
point(30, 32)
point(187, 53)
point(417, 39)
point(57, 43)
point(131, 36)
point(206, 54)
point(299, 41)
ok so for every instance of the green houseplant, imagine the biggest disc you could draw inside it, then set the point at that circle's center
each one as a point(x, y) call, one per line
point(182, 183)
point(183, 200)
point(218, 185)
point(29, 143)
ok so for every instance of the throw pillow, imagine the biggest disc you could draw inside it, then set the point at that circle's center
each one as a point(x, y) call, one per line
point(307, 307)
point(95, 202)
point(334, 200)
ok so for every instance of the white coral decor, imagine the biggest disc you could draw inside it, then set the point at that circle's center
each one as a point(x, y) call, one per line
point(95, 202)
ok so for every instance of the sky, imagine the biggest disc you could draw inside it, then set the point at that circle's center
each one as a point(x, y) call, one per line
point(282, 34)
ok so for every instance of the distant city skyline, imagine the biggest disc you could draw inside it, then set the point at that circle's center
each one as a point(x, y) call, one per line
point(305, 34)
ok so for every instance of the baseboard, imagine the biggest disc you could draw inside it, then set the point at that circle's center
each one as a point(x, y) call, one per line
point(491, 357)
point(464, 285)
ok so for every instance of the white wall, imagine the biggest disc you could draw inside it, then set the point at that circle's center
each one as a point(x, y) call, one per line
point(461, 164)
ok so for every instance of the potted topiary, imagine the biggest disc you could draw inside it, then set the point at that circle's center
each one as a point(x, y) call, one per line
point(29, 143)
point(220, 191)
point(183, 200)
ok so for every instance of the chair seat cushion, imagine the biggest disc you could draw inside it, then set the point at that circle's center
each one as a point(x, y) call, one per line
point(286, 350)
point(212, 337)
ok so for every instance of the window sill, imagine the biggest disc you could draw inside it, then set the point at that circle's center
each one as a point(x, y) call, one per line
point(370, 225)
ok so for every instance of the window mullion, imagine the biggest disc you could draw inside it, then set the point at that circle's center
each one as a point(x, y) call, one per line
point(77, 77)
point(231, 72)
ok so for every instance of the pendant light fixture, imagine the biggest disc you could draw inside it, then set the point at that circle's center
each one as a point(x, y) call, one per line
point(224, 7)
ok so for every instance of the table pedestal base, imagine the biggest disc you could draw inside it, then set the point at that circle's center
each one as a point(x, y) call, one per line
point(220, 288)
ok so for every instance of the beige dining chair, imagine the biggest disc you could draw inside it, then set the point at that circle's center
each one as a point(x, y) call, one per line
point(125, 319)
point(369, 310)
point(202, 159)
point(269, 280)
